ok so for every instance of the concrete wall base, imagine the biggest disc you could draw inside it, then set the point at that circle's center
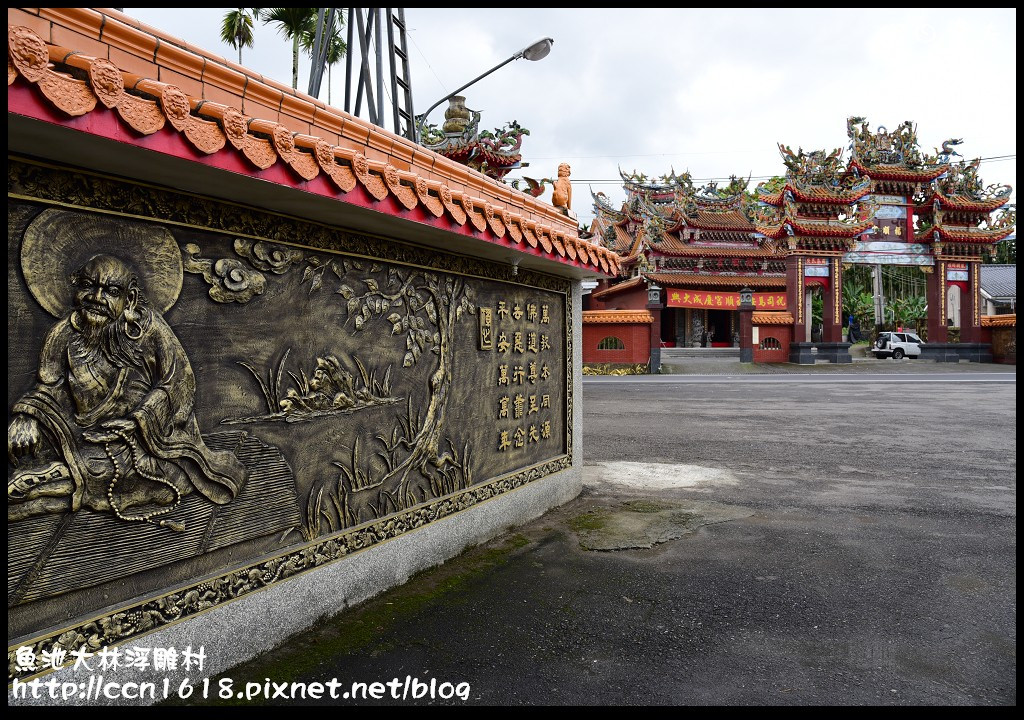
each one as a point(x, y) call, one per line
point(807, 353)
point(955, 352)
point(254, 624)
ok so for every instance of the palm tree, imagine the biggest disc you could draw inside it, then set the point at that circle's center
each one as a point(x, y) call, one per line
point(236, 28)
point(336, 47)
point(294, 24)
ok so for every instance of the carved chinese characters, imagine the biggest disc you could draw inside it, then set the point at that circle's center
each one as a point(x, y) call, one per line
point(184, 390)
point(524, 374)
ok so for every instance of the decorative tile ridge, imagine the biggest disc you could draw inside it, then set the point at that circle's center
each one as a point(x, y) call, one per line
point(619, 287)
point(682, 279)
point(148, 106)
point(961, 233)
point(127, 33)
point(968, 203)
point(617, 316)
point(30, 57)
point(899, 172)
point(771, 318)
point(986, 320)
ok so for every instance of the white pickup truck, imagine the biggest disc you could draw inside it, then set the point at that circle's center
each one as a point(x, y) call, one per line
point(897, 345)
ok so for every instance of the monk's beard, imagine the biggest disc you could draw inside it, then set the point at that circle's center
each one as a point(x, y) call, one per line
point(110, 337)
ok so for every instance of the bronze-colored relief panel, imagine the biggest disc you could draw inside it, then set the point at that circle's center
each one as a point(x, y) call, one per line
point(192, 384)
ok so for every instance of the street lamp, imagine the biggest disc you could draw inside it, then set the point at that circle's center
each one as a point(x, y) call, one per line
point(746, 296)
point(538, 51)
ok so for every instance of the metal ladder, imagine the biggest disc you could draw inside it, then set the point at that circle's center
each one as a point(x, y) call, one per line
point(364, 33)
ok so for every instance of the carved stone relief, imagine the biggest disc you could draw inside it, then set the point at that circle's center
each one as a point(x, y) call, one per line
point(216, 380)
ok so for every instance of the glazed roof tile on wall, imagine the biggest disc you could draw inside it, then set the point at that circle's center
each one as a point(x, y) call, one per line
point(86, 62)
point(616, 316)
point(999, 320)
point(771, 318)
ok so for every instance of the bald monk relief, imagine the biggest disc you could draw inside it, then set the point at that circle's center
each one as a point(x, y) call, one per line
point(110, 424)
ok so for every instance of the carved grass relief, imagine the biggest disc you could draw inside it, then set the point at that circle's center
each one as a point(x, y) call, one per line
point(321, 391)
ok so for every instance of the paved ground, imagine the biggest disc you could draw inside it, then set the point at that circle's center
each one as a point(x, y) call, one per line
point(740, 542)
point(860, 364)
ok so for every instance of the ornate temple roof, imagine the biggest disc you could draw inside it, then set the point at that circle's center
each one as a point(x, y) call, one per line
point(894, 155)
point(632, 283)
point(814, 177)
point(775, 223)
point(223, 115)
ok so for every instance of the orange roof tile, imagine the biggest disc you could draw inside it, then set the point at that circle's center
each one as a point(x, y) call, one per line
point(738, 281)
point(264, 137)
point(617, 316)
point(960, 233)
point(993, 320)
point(635, 282)
point(899, 172)
point(676, 247)
point(771, 318)
point(732, 220)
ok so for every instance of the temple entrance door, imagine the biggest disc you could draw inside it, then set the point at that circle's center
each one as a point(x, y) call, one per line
point(668, 327)
point(720, 328)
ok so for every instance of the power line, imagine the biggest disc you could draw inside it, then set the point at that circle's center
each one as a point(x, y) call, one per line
point(719, 178)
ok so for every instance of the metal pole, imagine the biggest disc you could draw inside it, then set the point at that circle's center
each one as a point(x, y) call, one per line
point(348, 62)
point(423, 116)
point(876, 276)
point(380, 69)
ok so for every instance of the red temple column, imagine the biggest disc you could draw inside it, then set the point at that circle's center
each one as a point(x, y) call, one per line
point(795, 296)
point(935, 294)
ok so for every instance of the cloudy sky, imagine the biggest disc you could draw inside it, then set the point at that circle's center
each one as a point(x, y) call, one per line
point(705, 90)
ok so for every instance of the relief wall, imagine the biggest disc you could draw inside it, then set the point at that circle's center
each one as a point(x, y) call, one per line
point(195, 386)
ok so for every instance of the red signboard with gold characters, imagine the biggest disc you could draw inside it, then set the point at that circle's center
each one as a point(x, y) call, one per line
point(719, 300)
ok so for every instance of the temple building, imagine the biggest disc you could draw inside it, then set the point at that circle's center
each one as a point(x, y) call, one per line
point(699, 245)
point(688, 252)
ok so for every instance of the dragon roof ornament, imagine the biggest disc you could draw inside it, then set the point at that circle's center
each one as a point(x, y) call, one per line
point(897, 148)
point(603, 206)
point(493, 154)
point(962, 180)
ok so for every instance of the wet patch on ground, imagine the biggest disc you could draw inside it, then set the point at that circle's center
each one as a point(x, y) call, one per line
point(642, 523)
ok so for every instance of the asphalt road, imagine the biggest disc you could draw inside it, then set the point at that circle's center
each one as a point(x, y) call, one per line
point(825, 543)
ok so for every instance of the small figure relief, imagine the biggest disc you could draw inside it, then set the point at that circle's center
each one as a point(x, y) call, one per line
point(330, 390)
point(110, 423)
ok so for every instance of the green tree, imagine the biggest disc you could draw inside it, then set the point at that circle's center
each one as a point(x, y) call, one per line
point(908, 311)
point(1004, 252)
point(336, 47)
point(294, 24)
point(236, 28)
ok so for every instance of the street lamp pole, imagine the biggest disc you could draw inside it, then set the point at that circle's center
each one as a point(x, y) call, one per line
point(538, 51)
